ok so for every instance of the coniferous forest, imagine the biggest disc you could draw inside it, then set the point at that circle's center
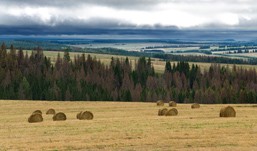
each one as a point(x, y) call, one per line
point(34, 77)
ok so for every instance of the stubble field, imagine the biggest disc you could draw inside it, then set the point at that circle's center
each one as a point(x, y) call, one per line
point(126, 126)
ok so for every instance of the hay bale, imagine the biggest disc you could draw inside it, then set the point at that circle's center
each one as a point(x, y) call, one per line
point(162, 112)
point(227, 112)
point(35, 118)
point(195, 106)
point(87, 115)
point(59, 117)
point(172, 112)
point(37, 112)
point(172, 104)
point(50, 111)
point(160, 103)
point(78, 115)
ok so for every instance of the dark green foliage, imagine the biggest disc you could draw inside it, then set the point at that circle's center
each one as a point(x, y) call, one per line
point(168, 67)
point(126, 95)
point(24, 89)
point(66, 56)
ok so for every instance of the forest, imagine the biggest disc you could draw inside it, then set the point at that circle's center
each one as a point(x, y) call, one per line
point(34, 77)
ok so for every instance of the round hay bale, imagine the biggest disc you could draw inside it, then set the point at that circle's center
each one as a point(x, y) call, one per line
point(160, 103)
point(37, 112)
point(35, 118)
point(227, 112)
point(172, 104)
point(87, 115)
point(162, 112)
point(78, 115)
point(195, 106)
point(172, 112)
point(59, 117)
point(50, 111)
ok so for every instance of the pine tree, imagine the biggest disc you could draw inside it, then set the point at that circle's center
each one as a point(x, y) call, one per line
point(66, 56)
point(24, 89)
point(168, 67)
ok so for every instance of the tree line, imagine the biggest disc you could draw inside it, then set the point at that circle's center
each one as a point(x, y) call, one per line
point(35, 77)
point(208, 59)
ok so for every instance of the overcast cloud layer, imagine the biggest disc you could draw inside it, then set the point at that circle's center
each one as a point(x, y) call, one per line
point(72, 16)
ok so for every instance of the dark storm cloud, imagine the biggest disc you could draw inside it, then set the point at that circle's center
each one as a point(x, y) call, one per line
point(81, 16)
point(80, 32)
point(74, 3)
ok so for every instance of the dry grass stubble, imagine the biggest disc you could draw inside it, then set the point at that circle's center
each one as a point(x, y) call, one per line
point(126, 126)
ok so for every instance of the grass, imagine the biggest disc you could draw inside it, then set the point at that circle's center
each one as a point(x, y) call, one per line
point(126, 126)
point(254, 55)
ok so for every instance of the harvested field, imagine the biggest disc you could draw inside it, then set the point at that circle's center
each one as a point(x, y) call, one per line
point(126, 126)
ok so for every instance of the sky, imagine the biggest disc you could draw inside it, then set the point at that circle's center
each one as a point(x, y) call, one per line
point(104, 17)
